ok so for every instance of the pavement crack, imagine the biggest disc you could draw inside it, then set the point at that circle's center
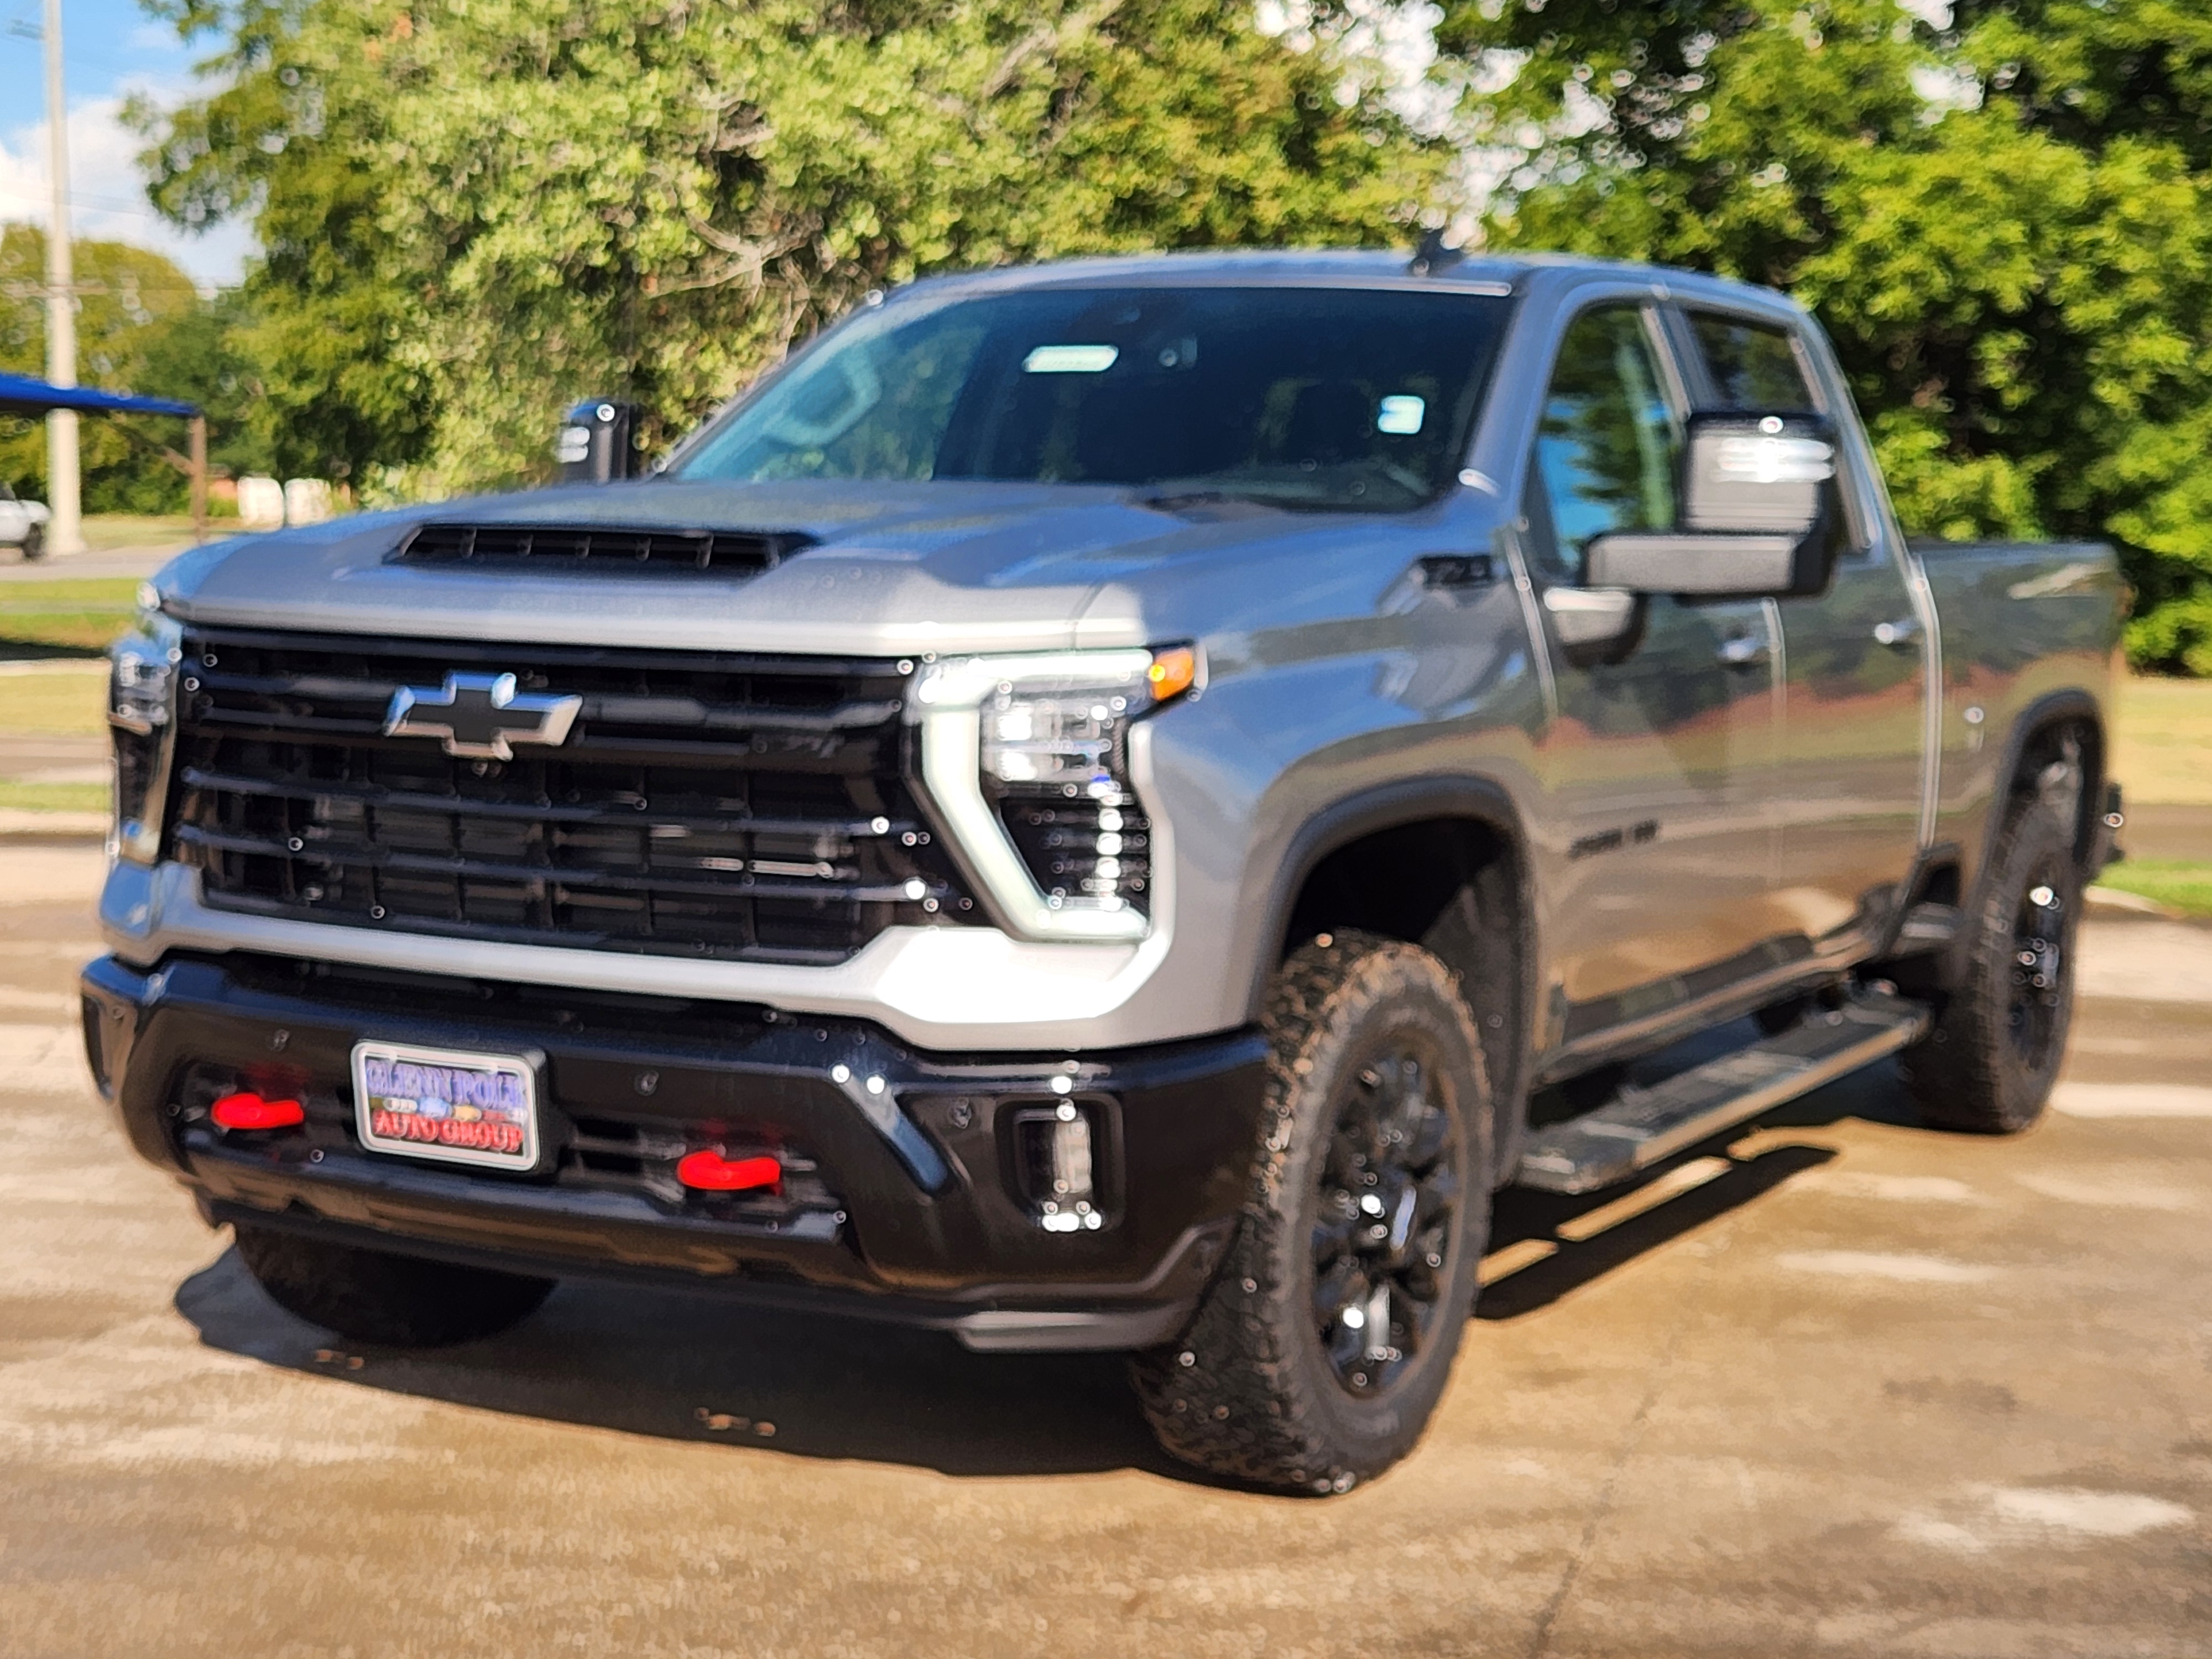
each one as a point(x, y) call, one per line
point(1541, 1643)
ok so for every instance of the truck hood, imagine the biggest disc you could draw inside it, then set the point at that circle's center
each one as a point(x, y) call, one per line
point(895, 569)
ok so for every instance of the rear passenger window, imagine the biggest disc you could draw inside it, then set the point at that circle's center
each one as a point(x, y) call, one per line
point(1753, 366)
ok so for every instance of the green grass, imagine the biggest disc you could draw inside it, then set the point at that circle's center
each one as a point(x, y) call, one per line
point(53, 797)
point(2162, 741)
point(56, 700)
point(2178, 884)
point(85, 616)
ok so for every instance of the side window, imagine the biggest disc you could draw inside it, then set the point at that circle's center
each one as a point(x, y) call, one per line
point(1753, 366)
point(1609, 445)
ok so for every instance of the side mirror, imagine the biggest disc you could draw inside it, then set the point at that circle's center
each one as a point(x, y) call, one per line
point(1757, 516)
point(1751, 474)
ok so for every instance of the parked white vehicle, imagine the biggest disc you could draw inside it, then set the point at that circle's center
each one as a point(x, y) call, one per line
point(22, 523)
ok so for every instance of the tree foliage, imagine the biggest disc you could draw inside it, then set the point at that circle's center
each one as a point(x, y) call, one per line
point(474, 211)
point(2005, 222)
point(141, 326)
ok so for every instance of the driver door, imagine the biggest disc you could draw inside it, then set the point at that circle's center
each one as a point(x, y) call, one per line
point(1660, 758)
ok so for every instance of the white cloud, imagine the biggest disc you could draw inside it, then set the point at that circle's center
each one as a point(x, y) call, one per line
point(107, 195)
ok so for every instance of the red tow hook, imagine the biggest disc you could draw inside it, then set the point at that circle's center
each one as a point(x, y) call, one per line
point(710, 1172)
point(249, 1111)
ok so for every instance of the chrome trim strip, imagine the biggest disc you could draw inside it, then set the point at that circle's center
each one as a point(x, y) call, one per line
point(937, 987)
point(1935, 693)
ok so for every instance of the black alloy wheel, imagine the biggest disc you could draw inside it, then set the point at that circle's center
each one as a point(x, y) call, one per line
point(1989, 1061)
point(1324, 1342)
point(1390, 1187)
point(2036, 1014)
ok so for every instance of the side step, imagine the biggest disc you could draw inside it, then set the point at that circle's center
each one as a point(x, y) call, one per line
point(1639, 1127)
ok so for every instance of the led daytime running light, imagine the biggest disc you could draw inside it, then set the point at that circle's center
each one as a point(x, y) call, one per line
point(1027, 758)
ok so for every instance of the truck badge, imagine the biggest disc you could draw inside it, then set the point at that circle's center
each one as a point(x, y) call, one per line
point(480, 716)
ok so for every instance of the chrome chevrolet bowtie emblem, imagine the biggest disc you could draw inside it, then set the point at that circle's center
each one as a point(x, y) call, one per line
point(480, 716)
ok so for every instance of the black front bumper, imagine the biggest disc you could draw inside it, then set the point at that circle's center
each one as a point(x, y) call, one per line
point(912, 1210)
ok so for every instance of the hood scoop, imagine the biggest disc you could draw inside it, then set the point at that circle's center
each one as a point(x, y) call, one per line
point(558, 550)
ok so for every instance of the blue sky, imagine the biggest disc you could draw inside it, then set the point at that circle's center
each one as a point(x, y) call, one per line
point(110, 49)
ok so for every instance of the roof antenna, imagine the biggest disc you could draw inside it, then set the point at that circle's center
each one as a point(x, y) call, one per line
point(1434, 256)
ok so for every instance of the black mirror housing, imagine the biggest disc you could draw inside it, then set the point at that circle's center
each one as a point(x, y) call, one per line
point(594, 444)
point(1708, 566)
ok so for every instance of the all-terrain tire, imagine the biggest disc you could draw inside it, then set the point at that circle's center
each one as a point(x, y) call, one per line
point(374, 1296)
point(1987, 1064)
point(1253, 1391)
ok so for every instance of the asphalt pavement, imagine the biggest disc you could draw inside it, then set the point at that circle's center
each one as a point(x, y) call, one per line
point(1835, 1385)
point(114, 561)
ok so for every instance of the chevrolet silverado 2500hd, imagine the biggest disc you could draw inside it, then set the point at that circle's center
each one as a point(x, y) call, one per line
point(1081, 812)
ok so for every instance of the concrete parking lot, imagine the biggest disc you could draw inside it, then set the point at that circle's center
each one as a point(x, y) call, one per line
point(1838, 1386)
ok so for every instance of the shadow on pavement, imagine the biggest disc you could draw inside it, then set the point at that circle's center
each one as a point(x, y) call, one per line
point(1525, 1217)
point(37, 651)
point(1529, 1215)
point(680, 1366)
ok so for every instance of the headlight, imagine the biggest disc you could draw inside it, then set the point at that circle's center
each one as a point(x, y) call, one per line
point(141, 710)
point(1027, 758)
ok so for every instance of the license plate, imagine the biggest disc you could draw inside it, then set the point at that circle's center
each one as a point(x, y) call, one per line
point(447, 1105)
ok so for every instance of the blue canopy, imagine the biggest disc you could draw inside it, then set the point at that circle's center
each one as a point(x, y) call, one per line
point(21, 395)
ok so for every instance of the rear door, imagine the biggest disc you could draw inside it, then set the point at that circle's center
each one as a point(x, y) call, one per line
point(1661, 756)
point(1848, 781)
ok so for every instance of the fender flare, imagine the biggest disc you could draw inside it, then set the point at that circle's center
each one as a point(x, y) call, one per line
point(2074, 703)
point(1386, 806)
point(1418, 800)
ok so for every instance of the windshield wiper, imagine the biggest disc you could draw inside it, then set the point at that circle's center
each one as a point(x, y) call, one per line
point(1173, 500)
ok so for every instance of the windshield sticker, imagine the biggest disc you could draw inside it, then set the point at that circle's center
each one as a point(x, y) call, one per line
point(1071, 360)
point(1401, 417)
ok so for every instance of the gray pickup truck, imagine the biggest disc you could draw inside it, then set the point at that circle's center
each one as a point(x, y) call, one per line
point(1101, 807)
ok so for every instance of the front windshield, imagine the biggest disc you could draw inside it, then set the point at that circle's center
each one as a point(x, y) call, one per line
point(1313, 399)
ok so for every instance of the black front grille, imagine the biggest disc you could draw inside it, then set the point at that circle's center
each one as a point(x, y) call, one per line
point(599, 549)
point(703, 806)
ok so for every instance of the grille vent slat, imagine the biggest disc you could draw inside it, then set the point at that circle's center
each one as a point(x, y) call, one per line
point(715, 807)
point(603, 549)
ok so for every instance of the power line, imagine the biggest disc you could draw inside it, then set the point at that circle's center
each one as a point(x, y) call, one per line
point(97, 203)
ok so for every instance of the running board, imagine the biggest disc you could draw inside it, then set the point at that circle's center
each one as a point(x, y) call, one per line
point(1639, 1127)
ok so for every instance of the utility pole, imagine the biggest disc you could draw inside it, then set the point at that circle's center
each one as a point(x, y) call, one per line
point(65, 534)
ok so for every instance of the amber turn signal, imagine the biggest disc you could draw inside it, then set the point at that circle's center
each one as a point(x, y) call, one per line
point(710, 1172)
point(245, 1111)
point(1173, 672)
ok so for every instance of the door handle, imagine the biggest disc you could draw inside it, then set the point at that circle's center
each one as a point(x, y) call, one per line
point(1896, 633)
point(1744, 651)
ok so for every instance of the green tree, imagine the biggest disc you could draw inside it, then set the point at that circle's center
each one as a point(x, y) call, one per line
point(476, 210)
point(137, 314)
point(2003, 222)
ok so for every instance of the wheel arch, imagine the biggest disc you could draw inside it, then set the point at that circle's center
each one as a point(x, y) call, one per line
point(2038, 736)
point(1441, 862)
